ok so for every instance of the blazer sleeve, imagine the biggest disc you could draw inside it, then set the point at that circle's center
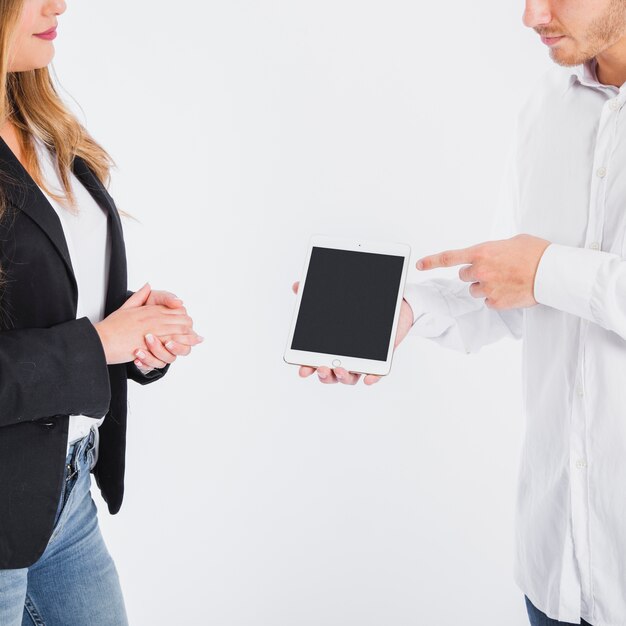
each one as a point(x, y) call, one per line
point(134, 373)
point(49, 372)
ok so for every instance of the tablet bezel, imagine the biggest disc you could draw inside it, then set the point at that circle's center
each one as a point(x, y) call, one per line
point(352, 364)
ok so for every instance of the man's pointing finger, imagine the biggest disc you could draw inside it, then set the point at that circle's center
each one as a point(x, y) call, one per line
point(446, 259)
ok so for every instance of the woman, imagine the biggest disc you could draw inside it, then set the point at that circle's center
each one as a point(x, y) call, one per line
point(70, 337)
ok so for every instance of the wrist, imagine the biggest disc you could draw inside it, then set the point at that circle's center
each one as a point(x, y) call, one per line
point(406, 312)
point(101, 333)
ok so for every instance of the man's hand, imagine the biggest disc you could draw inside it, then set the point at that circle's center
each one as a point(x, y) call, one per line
point(158, 352)
point(502, 271)
point(330, 376)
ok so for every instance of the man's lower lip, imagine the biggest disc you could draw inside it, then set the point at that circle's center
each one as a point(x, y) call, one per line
point(50, 35)
point(550, 41)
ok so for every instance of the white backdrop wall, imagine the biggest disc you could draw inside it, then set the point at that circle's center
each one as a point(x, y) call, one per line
point(255, 498)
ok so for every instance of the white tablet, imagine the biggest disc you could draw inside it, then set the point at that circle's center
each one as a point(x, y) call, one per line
point(348, 305)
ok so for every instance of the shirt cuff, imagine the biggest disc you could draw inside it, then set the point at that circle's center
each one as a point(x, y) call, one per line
point(431, 312)
point(566, 276)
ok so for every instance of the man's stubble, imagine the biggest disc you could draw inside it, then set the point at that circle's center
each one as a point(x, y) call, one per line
point(603, 32)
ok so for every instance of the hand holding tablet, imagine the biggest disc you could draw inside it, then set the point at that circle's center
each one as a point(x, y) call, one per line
point(350, 309)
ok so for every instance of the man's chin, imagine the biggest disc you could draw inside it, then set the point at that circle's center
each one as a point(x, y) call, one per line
point(561, 57)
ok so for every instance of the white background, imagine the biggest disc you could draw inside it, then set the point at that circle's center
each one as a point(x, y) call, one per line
point(255, 498)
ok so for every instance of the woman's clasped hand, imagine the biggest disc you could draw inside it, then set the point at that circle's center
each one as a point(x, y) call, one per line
point(151, 328)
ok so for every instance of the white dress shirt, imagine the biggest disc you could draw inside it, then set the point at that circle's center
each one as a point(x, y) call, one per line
point(566, 183)
point(86, 233)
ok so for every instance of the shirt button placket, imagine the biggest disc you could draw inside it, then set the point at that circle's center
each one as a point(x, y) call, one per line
point(579, 457)
point(579, 463)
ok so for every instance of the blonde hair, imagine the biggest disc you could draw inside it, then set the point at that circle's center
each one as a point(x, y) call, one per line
point(30, 101)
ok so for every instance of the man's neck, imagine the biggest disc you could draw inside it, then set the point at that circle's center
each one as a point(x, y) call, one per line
point(611, 68)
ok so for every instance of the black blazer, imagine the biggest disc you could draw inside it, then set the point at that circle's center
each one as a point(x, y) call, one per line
point(52, 364)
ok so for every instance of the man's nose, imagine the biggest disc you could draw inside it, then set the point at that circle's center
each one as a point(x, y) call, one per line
point(537, 13)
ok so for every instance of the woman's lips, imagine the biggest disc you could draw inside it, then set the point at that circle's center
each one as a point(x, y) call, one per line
point(550, 41)
point(48, 34)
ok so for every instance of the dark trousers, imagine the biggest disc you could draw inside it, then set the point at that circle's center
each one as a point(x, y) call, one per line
point(537, 618)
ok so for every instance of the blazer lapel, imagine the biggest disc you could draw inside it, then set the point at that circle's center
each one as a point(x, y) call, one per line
point(116, 289)
point(23, 193)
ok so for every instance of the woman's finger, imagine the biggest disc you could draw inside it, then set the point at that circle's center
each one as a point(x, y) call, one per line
point(144, 369)
point(157, 355)
point(147, 359)
point(176, 348)
point(189, 339)
point(158, 350)
point(306, 371)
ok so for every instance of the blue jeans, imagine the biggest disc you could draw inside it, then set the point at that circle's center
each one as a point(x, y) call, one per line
point(74, 582)
point(537, 618)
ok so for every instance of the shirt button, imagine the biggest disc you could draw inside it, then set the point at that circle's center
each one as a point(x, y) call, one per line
point(594, 245)
point(581, 464)
point(579, 391)
point(614, 104)
point(601, 172)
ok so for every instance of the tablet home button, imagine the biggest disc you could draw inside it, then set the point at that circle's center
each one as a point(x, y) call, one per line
point(336, 363)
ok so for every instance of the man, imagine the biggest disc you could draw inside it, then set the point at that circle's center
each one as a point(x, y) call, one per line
point(560, 284)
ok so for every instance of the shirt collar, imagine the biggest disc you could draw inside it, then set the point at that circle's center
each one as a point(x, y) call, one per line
point(585, 74)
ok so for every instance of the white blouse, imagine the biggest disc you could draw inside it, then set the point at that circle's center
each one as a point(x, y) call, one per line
point(86, 233)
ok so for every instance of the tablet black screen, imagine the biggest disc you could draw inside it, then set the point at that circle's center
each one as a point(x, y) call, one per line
point(348, 303)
